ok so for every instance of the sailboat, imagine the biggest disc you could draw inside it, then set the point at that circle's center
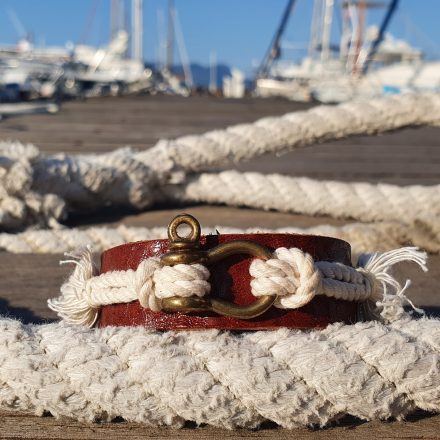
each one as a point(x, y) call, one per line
point(27, 72)
point(81, 70)
point(97, 70)
point(366, 62)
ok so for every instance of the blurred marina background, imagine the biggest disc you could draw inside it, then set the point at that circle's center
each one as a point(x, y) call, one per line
point(321, 50)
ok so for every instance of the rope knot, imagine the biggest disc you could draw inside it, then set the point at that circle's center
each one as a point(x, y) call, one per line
point(369, 282)
point(182, 280)
point(291, 275)
point(143, 283)
point(85, 291)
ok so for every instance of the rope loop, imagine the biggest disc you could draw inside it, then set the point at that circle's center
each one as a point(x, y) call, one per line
point(291, 275)
point(182, 280)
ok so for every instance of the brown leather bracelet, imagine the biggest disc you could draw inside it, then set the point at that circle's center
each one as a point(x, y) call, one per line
point(230, 281)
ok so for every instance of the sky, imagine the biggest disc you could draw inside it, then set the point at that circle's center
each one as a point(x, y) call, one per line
point(238, 31)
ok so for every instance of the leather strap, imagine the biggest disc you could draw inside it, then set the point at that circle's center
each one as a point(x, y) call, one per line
point(230, 280)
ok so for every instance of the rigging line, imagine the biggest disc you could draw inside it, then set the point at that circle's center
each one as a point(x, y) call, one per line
point(85, 35)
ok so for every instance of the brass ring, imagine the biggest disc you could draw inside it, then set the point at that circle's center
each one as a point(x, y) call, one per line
point(184, 219)
point(226, 308)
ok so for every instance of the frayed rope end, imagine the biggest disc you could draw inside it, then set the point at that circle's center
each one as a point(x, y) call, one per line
point(72, 305)
point(388, 294)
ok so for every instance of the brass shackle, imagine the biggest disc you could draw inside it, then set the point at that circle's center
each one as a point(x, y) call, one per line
point(186, 250)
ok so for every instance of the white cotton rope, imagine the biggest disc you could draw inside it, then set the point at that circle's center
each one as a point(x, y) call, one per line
point(360, 201)
point(277, 135)
point(291, 377)
point(363, 237)
point(36, 189)
point(292, 275)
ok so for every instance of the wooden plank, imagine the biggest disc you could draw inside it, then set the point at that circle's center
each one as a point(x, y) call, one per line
point(145, 114)
point(21, 426)
point(402, 157)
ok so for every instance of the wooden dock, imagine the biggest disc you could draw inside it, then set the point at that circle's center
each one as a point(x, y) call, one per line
point(409, 156)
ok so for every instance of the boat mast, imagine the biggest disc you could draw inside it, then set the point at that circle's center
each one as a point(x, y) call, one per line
point(274, 49)
point(327, 29)
point(161, 49)
point(116, 17)
point(137, 30)
point(375, 45)
point(346, 34)
point(183, 54)
point(360, 31)
point(170, 37)
point(315, 29)
point(213, 72)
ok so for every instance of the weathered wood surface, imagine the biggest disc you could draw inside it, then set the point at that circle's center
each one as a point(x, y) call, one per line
point(20, 426)
point(410, 156)
point(107, 123)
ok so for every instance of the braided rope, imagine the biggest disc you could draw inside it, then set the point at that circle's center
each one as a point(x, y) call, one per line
point(290, 377)
point(277, 135)
point(362, 237)
point(360, 201)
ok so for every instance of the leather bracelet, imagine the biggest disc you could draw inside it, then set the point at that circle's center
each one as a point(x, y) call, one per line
point(229, 257)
